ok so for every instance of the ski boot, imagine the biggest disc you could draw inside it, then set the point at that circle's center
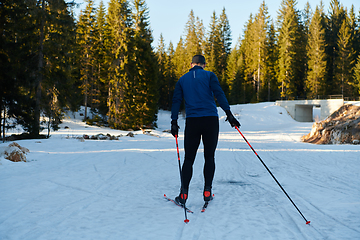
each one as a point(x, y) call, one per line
point(207, 194)
point(181, 199)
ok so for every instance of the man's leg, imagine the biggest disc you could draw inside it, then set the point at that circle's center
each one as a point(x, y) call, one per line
point(191, 143)
point(210, 137)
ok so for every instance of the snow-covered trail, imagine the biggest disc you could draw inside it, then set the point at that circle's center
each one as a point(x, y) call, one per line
point(114, 189)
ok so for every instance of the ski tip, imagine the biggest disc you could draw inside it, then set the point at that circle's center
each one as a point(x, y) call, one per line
point(307, 222)
point(186, 220)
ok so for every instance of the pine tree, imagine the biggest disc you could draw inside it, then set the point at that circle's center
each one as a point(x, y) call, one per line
point(121, 98)
point(248, 56)
point(38, 37)
point(306, 20)
point(201, 31)
point(225, 41)
point(19, 47)
point(212, 45)
point(15, 52)
point(354, 48)
point(343, 78)
point(306, 16)
point(86, 39)
point(179, 60)
point(316, 76)
point(261, 28)
point(58, 48)
point(257, 47)
point(193, 40)
point(334, 22)
point(101, 63)
point(218, 47)
point(171, 74)
point(291, 55)
point(357, 75)
point(234, 75)
point(270, 90)
point(162, 60)
point(146, 73)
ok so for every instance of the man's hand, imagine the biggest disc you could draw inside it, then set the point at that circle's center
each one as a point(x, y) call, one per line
point(174, 128)
point(232, 120)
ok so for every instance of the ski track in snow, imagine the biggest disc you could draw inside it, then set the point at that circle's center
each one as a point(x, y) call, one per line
point(114, 189)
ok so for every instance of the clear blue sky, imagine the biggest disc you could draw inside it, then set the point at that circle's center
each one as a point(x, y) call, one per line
point(170, 16)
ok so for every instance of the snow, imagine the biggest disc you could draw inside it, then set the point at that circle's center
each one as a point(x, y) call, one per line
point(102, 189)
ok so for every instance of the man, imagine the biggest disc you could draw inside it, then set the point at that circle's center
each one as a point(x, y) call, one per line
point(198, 87)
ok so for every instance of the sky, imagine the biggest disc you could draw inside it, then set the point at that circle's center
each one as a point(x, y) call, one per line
point(169, 17)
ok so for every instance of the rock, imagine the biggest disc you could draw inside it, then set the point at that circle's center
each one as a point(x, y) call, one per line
point(341, 127)
point(130, 134)
point(14, 152)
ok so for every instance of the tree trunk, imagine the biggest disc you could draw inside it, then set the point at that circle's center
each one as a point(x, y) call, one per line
point(36, 130)
point(86, 86)
point(2, 126)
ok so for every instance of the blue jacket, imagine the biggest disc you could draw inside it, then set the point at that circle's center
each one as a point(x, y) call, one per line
point(198, 87)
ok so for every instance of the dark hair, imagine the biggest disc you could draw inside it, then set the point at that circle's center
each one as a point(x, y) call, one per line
point(198, 59)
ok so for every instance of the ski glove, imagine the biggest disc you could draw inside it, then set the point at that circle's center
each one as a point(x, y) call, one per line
point(174, 128)
point(232, 120)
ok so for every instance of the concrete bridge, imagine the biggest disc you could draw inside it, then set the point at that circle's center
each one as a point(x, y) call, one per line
point(302, 110)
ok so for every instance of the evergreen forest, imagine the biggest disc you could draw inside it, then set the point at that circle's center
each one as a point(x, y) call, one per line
point(52, 62)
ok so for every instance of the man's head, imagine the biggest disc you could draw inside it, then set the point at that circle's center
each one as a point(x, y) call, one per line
point(198, 60)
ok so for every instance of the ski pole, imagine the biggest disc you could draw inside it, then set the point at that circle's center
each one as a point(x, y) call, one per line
point(307, 222)
point(178, 154)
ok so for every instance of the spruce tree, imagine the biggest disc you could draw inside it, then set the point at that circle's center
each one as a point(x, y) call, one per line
point(270, 91)
point(247, 50)
point(234, 75)
point(19, 47)
point(357, 75)
point(58, 51)
point(335, 19)
point(101, 64)
point(225, 40)
point(212, 45)
point(193, 41)
point(180, 60)
point(316, 75)
point(146, 70)
point(343, 77)
point(171, 74)
point(217, 47)
point(306, 20)
point(261, 28)
point(121, 98)
point(291, 53)
point(38, 38)
point(162, 60)
point(86, 39)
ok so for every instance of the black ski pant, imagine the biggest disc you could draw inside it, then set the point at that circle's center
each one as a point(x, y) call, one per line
point(197, 128)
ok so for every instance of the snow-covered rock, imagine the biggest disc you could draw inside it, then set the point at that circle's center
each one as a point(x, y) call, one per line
point(14, 152)
point(341, 127)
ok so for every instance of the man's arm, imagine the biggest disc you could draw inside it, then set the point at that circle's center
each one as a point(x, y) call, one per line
point(218, 92)
point(176, 101)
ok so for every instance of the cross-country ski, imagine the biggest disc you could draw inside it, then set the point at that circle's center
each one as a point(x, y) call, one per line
point(173, 201)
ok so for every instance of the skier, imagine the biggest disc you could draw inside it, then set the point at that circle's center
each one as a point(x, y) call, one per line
point(198, 87)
